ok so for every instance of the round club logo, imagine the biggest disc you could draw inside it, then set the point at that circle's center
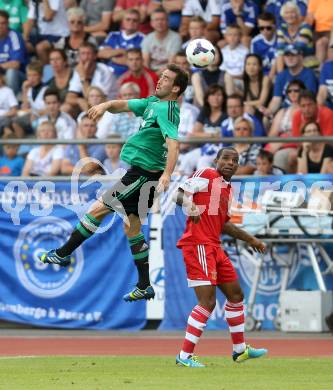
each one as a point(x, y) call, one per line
point(45, 280)
point(271, 274)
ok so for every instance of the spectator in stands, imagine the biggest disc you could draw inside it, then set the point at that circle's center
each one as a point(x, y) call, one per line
point(294, 32)
point(115, 45)
point(173, 9)
point(52, 25)
point(196, 29)
point(65, 125)
point(202, 79)
point(33, 105)
point(325, 93)
point(314, 157)
point(248, 153)
point(274, 7)
point(264, 44)
point(10, 163)
point(125, 124)
point(112, 162)
point(73, 153)
point(139, 5)
point(99, 16)
point(89, 72)
point(77, 36)
point(208, 124)
point(285, 154)
point(209, 11)
point(234, 54)
point(96, 96)
point(241, 13)
point(8, 103)
point(255, 87)
point(161, 44)
point(295, 70)
point(235, 110)
point(309, 111)
point(44, 160)
point(320, 13)
point(17, 11)
point(180, 60)
point(62, 73)
point(12, 53)
point(264, 164)
point(137, 73)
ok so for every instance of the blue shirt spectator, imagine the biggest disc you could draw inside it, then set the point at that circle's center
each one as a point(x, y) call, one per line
point(266, 50)
point(11, 166)
point(227, 127)
point(274, 7)
point(12, 48)
point(249, 15)
point(283, 79)
point(325, 95)
point(120, 40)
point(72, 153)
point(116, 43)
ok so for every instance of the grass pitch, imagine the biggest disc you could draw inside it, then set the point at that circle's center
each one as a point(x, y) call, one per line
point(161, 373)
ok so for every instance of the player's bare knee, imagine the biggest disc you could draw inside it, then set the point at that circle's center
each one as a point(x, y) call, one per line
point(208, 303)
point(236, 296)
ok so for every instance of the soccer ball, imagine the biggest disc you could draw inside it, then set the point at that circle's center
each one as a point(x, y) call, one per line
point(200, 53)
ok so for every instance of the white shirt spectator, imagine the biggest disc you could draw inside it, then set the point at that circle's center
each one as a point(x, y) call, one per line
point(187, 116)
point(41, 166)
point(65, 125)
point(194, 8)
point(161, 51)
point(233, 59)
point(7, 100)
point(103, 78)
point(38, 103)
point(58, 26)
point(103, 125)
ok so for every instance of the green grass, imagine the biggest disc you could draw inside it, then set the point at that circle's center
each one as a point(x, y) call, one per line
point(160, 373)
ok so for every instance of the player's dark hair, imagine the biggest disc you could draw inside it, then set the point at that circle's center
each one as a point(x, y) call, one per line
point(266, 155)
point(211, 90)
point(51, 92)
point(220, 152)
point(4, 14)
point(267, 17)
point(181, 79)
point(307, 94)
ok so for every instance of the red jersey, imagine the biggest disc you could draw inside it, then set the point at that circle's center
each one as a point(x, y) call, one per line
point(211, 194)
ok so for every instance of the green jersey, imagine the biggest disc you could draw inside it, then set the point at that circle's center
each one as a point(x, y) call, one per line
point(17, 10)
point(147, 148)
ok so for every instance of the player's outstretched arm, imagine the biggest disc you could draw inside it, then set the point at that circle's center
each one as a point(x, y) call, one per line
point(113, 106)
point(182, 200)
point(240, 234)
point(172, 157)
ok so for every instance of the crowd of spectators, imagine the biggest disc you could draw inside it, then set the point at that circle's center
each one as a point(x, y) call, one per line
point(272, 76)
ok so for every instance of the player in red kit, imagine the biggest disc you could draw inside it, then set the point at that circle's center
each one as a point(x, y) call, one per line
point(205, 197)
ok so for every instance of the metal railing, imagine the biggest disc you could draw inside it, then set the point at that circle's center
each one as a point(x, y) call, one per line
point(194, 140)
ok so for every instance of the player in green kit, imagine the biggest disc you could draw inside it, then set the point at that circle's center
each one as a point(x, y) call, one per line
point(152, 154)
